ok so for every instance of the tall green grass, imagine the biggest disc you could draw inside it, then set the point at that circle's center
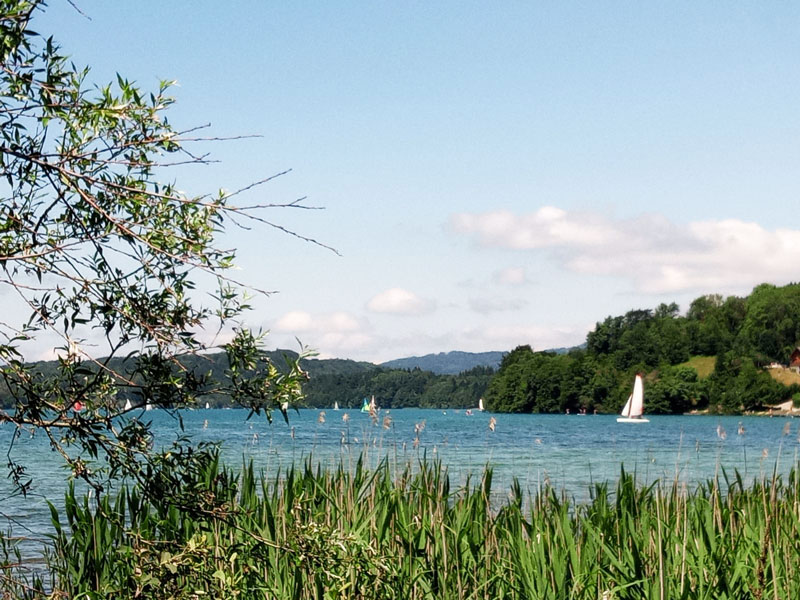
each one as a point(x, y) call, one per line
point(383, 533)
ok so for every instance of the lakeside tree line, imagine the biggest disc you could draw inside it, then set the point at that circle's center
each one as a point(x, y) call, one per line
point(744, 334)
point(399, 388)
point(330, 381)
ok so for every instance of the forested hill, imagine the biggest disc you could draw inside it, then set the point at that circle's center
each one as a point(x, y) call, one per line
point(447, 363)
point(741, 335)
point(744, 334)
point(341, 381)
point(452, 363)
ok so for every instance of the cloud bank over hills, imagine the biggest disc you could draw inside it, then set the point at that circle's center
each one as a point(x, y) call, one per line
point(657, 255)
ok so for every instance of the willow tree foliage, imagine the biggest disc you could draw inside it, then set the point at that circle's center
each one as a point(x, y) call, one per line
point(106, 262)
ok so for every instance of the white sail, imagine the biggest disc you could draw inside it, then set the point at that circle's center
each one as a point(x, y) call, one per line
point(208, 405)
point(637, 398)
point(128, 404)
point(480, 404)
point(627, 408)
point(634, 407)
point(335, 405)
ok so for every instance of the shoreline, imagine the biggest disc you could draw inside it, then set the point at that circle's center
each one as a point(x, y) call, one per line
point(784, 409)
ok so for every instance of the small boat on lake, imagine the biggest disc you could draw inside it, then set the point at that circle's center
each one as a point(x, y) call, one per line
point(480, 404)
point(335, 405)
point(365, 405)
point(634, 407)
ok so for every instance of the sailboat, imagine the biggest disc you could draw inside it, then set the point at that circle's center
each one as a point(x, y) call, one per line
point(128, 404)
point(480, 404)
point(365, 405)
point(634, 407)
point(335, 405)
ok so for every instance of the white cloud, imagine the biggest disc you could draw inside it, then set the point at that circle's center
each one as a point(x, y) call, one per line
point(341, 322)
point(295, 321)
point(399, 302)
point(549, 226)
point(538, 337)
point(487, 306)
point(658, 256)
point(511, 276)
point(345, 343)
point(336, 334)
point(493, 337)
point(300, 321)
point(364, 343)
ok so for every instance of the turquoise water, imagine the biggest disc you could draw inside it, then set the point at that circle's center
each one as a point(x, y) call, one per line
point(569, 452)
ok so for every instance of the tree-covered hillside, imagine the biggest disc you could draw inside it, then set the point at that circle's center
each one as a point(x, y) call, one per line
point(346, 382)
point(447, 363)
point(397, 388)
point(744, 334)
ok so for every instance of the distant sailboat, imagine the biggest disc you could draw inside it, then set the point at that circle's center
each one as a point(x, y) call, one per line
point(207, 405)
point(365, 405)
point(335, 405)
point(634, 407)
point(480, 404)
point(128, 404)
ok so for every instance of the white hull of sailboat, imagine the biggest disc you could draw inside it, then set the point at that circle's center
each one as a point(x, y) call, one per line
point(632, 420)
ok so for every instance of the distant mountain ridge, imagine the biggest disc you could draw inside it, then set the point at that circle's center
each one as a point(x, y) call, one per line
point(455, 362)
point(448, 363)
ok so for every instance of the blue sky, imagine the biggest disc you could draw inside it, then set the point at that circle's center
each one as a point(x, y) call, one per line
point(493, 174)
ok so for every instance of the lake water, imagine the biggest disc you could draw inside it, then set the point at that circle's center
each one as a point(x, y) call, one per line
point(569, 452)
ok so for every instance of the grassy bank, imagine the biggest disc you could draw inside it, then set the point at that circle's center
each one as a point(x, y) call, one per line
point(380, 534)
point(704, 365)
point(785, 376)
